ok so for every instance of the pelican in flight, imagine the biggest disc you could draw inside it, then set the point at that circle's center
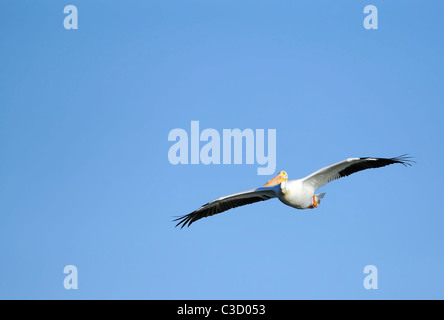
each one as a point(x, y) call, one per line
point(299, 194)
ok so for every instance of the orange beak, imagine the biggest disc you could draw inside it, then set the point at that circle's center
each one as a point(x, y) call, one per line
point(276, 180)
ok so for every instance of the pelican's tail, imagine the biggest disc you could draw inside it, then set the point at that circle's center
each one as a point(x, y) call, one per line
point(319, 197)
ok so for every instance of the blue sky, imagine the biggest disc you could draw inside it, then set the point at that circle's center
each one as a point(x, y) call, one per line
point(85, 178)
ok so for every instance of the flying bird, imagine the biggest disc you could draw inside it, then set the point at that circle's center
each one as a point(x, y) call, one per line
point(299, 194)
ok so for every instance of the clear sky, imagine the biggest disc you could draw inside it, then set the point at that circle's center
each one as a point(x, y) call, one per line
point(84, 173)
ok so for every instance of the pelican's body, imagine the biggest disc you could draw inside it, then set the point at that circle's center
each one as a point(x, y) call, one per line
point(299, 194)
point(295, 194)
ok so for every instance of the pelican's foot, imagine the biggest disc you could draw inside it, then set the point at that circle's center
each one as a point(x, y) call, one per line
point(315, 204)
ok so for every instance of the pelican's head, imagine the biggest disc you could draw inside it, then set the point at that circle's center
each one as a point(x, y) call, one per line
point(282, 176)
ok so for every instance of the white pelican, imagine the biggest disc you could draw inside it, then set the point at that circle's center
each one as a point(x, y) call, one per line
point(299, 194)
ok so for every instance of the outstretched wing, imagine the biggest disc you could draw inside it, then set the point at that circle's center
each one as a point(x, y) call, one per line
point(349, 166)
point(225, 203)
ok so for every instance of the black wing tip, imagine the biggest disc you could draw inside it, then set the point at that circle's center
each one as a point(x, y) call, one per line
point(184, 220)
point(188, 219)
point(404, 159)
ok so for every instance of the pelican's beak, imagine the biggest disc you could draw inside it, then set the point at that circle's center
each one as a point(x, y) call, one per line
point(276, 180)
